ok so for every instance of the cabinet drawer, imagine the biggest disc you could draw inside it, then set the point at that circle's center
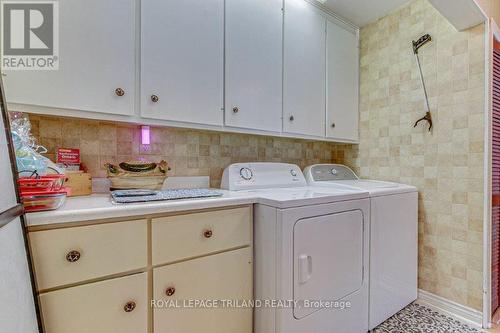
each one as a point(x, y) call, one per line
point(98, 307)
point(223, 276)
point(186, 236)
point(65, 256)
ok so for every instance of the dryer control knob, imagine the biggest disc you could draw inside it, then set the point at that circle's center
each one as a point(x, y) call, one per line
point(246, 173)
point(293, 173)
point(334, 171)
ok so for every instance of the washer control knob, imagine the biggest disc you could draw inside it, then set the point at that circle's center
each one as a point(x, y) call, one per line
point(293, 173)
point(334, 171)
point(246, 173)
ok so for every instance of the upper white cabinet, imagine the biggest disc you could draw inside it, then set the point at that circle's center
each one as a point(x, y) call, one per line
point(304, 69)
point(182, 60)
point(253, 82)
point(96, 61)
point(342, 82)
point(282, 67)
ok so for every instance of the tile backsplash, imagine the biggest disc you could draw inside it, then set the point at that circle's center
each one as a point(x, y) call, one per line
point(188, 152)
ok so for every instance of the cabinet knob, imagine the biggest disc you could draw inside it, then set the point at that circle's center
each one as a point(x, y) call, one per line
point(170, 291)
point(333, 125)
point(236, 109)
point(119, 92)
point(292, 118)
point(73, 256)
point(129, 307)
point(154, 98)
point(208, 233)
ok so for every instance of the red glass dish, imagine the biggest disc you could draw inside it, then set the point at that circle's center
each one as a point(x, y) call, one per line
point(43, 183)
point(36, 201)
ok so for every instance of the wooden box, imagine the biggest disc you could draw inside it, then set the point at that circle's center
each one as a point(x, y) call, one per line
point(79, 183)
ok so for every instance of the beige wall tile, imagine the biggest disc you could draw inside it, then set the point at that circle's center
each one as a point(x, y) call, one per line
point(447, 164)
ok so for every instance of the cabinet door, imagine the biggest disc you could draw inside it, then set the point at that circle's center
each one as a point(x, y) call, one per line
point(96, 57)
point(106, 306)
point(304, 69)
point(182, 60)
point(342, 83)
point(254, 64)
point(224, 276)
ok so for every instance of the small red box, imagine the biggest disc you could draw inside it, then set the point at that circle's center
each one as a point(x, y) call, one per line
point(68, 156)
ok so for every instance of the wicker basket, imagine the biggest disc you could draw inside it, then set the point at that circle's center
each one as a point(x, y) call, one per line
point(137, 175)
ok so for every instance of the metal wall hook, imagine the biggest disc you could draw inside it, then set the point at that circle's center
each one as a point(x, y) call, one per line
point(417, 45)
point(421, 42)
point(428, 118)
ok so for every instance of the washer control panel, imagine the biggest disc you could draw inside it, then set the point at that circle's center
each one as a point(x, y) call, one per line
point(329, 172)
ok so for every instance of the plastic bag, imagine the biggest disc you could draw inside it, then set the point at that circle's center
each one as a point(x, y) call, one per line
point(30, 162)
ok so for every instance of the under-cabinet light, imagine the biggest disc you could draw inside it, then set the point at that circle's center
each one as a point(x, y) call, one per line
point(145, 135)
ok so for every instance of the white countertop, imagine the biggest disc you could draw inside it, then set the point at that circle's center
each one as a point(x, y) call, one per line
point(99, 206)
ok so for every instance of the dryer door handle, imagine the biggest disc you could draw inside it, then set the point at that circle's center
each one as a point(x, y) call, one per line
point(305, 268)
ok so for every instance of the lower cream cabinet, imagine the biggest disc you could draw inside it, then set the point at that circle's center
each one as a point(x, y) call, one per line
point(224, 276)
point(117, 305)
point(109, 277)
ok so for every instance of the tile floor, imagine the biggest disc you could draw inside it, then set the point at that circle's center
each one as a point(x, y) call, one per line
point(416, 318)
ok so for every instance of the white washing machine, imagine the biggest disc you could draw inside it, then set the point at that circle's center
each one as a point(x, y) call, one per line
point(393, 237)
point(310, 251)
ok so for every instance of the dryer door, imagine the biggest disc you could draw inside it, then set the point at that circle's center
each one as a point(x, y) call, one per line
point(328, 259)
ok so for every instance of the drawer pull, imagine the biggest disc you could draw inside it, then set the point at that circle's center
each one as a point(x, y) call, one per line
point(170, 291)
point(129, 307)
point(73, 256)
point(208, 233)
point(119, 92)
point(154, 98)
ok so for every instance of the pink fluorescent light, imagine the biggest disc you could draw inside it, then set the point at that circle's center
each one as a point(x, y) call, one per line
point(145, 135)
